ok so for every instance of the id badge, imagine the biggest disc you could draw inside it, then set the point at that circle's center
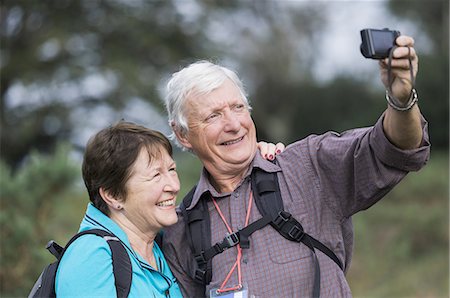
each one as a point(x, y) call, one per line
point(241, 293)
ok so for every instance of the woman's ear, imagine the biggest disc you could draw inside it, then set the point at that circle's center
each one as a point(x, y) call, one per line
point(111, 201)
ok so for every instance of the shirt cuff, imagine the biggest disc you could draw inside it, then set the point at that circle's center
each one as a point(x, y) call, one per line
point(388, 153)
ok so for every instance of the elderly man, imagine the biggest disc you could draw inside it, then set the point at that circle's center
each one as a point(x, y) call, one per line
point(323, 180)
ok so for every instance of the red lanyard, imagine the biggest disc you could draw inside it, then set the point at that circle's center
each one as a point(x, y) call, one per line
point(237, 264)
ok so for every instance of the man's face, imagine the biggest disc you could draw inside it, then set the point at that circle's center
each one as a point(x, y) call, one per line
point(221, 131)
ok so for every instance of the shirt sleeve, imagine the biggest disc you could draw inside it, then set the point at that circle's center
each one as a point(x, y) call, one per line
point(86, 269)
point(389, 154)
point(179, 257)
point(355, 169)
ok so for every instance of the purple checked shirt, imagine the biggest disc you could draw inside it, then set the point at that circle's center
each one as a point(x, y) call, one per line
point(324, 180)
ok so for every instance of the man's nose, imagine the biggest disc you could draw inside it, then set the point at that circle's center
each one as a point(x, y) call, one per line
point(232, 121)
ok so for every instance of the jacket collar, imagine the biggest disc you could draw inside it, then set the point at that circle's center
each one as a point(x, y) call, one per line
point(95, 219)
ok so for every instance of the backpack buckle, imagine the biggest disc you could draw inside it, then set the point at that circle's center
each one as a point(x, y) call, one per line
point(231, 240)
point(282, 218)
point(55, 249)
point(296, 233)
point(228, 241)
point(200, 259)
point(200, 275)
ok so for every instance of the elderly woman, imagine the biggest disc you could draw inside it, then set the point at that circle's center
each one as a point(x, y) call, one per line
point(132, 183)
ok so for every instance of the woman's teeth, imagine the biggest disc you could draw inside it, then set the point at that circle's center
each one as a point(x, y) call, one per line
point(166, 203)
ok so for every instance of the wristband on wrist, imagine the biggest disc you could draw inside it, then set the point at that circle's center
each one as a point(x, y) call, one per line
point(394, 103)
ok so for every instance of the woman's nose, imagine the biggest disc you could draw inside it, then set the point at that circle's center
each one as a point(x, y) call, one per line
point(173, 183)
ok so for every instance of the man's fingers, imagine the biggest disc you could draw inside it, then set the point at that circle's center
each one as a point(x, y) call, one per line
point(402, 64)
point(400, 59)
point(404, 41)
point(404, 52)
point(401, 53)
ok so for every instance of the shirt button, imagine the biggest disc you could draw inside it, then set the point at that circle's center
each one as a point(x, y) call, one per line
point(245, 260)
point(236, 195)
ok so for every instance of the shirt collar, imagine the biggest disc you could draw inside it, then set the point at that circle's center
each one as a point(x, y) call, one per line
point(204, 187)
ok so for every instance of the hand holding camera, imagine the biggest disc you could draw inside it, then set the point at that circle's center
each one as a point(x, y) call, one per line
point(398, 64)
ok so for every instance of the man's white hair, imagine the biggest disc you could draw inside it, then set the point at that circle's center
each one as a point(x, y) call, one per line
point(199, 78)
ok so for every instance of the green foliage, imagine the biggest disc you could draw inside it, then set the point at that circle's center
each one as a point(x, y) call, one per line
point(189, 169)
point(30, 215)
point(401, 243)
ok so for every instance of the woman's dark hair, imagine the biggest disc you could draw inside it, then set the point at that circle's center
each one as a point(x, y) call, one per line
point(110, 155)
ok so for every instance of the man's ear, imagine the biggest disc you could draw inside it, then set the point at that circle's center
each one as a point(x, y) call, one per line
point(181, 136)
point(111, 201)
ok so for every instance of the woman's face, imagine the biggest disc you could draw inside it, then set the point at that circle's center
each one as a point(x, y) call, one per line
point(151, 192)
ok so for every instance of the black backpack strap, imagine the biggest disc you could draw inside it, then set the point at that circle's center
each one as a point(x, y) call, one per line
point(198, 233)
point(269, 202)
point(122, 269)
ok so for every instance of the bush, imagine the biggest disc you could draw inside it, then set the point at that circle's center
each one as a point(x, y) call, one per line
point(36, 205)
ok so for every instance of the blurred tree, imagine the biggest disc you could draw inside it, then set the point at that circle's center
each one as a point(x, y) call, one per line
point(58, 56)
point(309, 107)
point(61, 60)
